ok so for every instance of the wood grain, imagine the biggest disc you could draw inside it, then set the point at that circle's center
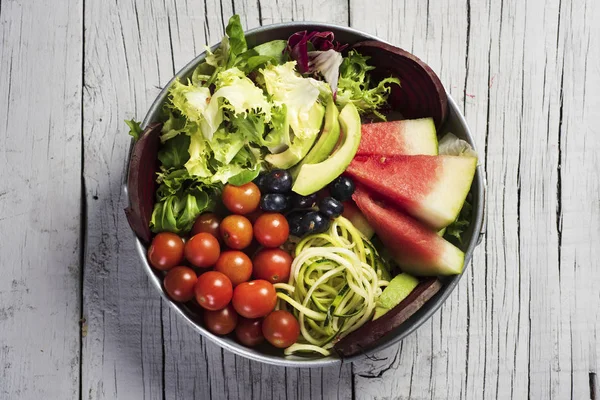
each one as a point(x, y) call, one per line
point(40, 194)
point(126, 59)
point(524, 320)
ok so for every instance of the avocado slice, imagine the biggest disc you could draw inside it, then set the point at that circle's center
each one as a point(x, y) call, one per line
point(398, 289)
point(314, 177)
point(299, 147)
point(327, 141)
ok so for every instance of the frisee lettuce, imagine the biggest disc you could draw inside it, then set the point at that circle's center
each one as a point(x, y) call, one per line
point(354, 86)
point(241, 104)
point(300, 95)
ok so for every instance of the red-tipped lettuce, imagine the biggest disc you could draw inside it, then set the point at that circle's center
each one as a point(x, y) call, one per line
point(317, 52)
point(300, 43)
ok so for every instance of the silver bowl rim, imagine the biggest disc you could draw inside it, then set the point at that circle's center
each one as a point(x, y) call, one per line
point(433, 305)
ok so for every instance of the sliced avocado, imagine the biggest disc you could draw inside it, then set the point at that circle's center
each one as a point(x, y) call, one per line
point(398, 289)
point(299, 147)
point(327, 141)
point(314, 177)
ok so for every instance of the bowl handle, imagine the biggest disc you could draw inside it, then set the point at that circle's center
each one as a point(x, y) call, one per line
point(483, 230)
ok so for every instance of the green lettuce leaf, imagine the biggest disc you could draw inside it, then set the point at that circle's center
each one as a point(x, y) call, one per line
point(243, 168)
point(251, 127)
point(203, 73)
point(457, 228)
point(200, 154)
point(234, 91)
point(177, 213)
point(225, 145)
point(354, 85)
point(180, 199)
point(237, 39)
point(300, 95)
point(135, 129)
point(278, 137)
point(270, 52)
point(189, 100)
point(172, 127)
point(174, 152)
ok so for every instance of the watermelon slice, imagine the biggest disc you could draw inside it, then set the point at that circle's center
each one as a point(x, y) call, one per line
point(396, 138)
point(430, 188)
point(417, 249)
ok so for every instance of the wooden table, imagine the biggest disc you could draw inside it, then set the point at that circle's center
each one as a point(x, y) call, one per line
point(78, 318)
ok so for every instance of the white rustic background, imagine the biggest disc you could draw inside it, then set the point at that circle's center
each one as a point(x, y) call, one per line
point(78, 318)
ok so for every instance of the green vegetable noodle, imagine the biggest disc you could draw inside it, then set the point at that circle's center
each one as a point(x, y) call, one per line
point(335, 282)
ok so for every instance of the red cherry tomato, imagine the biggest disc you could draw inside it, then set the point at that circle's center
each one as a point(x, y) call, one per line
point(179, 283)
point(202, 250)
point(271, 229)
point(249, 332)
point(254, 299)
point(272, 265)
point(221, 322)
point(241, 199)
point(281, 329)
point(166, 251)
point(213, 290)
point(236, 231)
point(236, 265)
point(207, 223)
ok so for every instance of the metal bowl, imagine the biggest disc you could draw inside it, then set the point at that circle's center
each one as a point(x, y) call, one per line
point(455, 123)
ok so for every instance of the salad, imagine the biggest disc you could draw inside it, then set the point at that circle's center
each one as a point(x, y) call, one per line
point(282, 215)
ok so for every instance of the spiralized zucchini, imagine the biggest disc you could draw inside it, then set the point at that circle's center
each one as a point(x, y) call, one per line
point(334, 284)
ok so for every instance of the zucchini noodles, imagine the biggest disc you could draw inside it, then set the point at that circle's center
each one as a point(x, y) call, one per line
point(335, 281)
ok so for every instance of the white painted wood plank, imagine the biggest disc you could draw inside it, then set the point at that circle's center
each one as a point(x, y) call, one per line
point(40, 187)
point(579, 195)
point(127, 56)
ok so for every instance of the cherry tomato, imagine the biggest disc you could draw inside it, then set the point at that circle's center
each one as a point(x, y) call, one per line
point(281, 329)
point(179, 283)
point(166, 251)
point(249, 332)
point(254, 299)
point(213, 290)
point(207, 223)
point(236, 231)
point(241, 199)
point(221, 322)
point(272, 265)
point(202, 250)
point(236, 265)
point(271, 229)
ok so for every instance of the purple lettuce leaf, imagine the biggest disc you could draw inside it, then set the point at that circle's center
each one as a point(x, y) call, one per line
point(320, 41)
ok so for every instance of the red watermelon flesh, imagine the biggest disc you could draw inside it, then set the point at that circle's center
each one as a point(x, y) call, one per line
point(432, 189)
point(417, 249)
point(406, 137)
